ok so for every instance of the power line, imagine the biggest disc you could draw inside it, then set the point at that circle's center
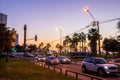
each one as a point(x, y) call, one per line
point(110, 20)
point(87, 27)
point(72, 33)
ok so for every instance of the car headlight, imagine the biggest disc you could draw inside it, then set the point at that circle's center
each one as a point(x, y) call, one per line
point(64, 60)
point(106, 67)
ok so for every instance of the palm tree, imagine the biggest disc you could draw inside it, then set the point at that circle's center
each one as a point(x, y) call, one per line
point(59, 47)
point(48, 46)
point(40, 46)
point(82, 39)
point(93, 37)
point(75, 40)
point(67, 42)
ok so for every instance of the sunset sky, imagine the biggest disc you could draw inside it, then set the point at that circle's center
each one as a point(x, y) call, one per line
point(42, 17)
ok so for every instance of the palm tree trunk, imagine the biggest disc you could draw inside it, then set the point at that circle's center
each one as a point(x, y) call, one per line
point(82, 46)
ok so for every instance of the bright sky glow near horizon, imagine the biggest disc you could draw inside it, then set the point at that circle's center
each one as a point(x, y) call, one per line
point(42, 17)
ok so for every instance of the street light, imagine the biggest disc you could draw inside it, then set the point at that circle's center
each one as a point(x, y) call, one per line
point(60, 38)
point(95, 23)
point(87, 10)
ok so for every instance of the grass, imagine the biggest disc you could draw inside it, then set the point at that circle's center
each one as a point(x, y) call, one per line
point(21, 70)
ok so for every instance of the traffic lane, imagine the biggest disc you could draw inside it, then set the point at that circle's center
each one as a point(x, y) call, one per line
point(77, 68)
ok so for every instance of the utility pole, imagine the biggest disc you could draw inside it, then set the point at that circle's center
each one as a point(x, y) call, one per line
point(95, 23)
point(98, 38)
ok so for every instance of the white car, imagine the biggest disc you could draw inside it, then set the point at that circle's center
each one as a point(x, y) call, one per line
point(98, 65)
point(64, 59)
point(41, 58)
point(51, 60)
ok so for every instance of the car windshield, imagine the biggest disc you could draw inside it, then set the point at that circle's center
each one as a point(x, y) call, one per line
point(63, 57)
point(100, 61)
point(40, 57)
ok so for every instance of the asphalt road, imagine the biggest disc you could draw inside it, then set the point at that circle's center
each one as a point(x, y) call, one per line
point(76, 68)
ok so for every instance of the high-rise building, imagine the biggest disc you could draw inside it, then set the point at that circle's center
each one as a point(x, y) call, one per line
point(3, 19)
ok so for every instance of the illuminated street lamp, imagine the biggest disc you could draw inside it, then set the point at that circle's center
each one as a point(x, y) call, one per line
point(87, 10)
point(95, 23)
point(59, 29)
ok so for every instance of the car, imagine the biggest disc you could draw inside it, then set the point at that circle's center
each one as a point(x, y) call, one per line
point(99, 65)
point(51, 60)
point(28, 55)
point(116, 62)
point(64, 59)
point(41, 58)
point(48, 54)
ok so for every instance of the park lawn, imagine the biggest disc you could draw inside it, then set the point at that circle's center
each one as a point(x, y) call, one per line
point(22, 70)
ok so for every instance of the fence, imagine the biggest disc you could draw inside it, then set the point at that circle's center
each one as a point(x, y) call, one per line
point(69, 71)
point(77, 74)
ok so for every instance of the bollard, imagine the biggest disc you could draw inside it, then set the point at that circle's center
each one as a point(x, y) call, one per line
point(66, 72)
point(76, 76)
point(60, 70)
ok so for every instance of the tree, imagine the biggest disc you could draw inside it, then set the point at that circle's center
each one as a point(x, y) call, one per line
point(19, 48)
point(82, 39)
point(118, 27)
point(40, 47)
point(67, 42)
point(110, 45)
point(75, 40)
point(32, 47)
point(59, 47)
point(48, 46)
point(5, 39)
point(93, 37)
point(106, 45)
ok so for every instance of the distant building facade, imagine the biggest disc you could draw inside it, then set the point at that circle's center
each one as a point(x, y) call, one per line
point(15, 37)
point(17, 40)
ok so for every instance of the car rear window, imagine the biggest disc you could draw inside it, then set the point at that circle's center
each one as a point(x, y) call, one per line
point(117, 61)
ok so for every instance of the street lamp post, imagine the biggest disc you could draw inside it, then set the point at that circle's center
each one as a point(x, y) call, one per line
point(60, 38)
point(95, 23)
point(25, 28)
